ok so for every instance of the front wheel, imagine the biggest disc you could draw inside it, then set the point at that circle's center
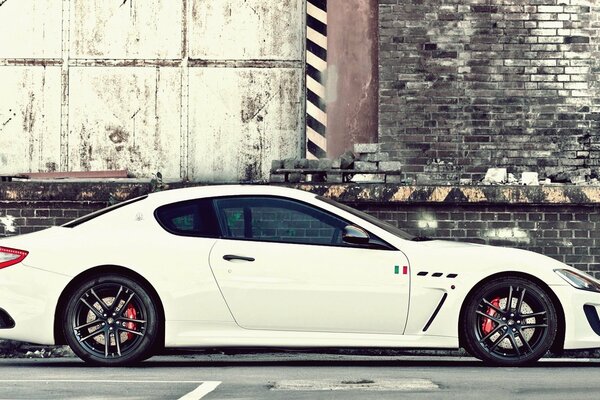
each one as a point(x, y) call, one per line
point(111, 320)
point(509, 321)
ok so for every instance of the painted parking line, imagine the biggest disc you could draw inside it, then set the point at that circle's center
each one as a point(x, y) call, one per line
point(205, 387)
point(201, 390)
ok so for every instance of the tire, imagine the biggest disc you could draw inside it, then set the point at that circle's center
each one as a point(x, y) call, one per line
point(505, 332)
point(111, 320)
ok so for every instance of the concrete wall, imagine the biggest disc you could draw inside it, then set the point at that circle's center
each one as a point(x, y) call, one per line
point(199, 89)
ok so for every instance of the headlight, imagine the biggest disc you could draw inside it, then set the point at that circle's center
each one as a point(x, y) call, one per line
point(579, 280)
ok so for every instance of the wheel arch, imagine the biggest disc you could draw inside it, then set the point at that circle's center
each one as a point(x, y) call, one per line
point(59, 337)
point(558, 344)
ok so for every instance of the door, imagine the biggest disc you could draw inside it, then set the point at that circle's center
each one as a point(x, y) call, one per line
point(282, 265)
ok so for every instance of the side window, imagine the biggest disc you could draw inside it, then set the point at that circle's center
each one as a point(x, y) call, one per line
point(189, 218)
point(280, 220)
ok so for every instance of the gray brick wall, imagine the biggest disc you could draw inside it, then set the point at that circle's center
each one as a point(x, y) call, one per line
point(509, 83)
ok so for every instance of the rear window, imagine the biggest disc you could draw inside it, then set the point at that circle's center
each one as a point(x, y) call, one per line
point(189, 218)
point(98, 213)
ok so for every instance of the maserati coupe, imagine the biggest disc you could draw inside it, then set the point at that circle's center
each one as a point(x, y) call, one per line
point(264, 266)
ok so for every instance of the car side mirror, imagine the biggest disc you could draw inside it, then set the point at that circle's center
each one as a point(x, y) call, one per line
point(355, 235)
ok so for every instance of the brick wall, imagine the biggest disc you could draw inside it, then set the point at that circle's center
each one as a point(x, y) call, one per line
point(562, 222)
point(570, 234)
point(469, 84)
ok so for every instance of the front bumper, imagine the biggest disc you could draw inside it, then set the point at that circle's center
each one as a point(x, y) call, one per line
point(28, 297)
point(582, 309)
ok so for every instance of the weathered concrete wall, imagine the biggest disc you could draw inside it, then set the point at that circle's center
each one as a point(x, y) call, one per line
point(195, 89)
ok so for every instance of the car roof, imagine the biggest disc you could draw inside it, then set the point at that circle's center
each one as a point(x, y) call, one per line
point(182, 194)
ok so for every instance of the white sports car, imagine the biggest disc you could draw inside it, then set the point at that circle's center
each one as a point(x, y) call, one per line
point(262, 266)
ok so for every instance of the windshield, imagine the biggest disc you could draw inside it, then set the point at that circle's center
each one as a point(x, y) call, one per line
point(369, 218)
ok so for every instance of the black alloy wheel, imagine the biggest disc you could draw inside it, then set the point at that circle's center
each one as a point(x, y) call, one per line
point(509, 321)
point(111, 320)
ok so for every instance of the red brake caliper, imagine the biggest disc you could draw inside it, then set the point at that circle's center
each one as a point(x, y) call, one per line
point(487, 324)
point(130, 313)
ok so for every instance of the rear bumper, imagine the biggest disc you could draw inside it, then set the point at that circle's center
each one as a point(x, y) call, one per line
point(28, 297)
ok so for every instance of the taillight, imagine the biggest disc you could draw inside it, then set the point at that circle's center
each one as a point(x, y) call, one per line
point(10, 256)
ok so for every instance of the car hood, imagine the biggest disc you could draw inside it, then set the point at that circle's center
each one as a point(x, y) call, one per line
point(484, 259)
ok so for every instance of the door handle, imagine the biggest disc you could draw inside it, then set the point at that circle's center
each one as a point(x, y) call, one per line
point(231, 257)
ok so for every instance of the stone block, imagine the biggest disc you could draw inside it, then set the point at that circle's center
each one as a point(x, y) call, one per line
point(373, 157)
point(294, 177)
point(325, 164)
point(276, 164)
point(495, 176)
point(530, 178)
point(347, 160)
point(277, 178)
point(313, 164)
point(394, 179)
point(302, 163)
point(289, 163)
point(390, 166)
point(365, 166)
point(368, 178)
point(335, 177)
point(366, 147)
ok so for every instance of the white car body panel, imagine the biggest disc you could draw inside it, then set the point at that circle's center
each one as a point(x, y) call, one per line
point(313, 288)
point(212, 302)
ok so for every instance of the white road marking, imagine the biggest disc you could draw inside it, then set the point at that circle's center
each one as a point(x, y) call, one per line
point(201, 391)
point(403, 385)
point(88, 381)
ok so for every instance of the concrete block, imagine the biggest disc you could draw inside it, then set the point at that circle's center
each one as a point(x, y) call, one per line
point(465, 181)
point(335, 177)
point(149, 29)
point(240, 117)
point(276, 164)
point(373, 157)
point(530, 178)
point(347, 160)
point(29, 119)
point(277, 178)
point(294, 177)
point(336, 163)
point(495, 176)
point(313, 164)
point(366, 147)
point(368, 178)
point(289, 163)
point(325, 164)
point(301, 163)
point(123, 118)
point(30, 29)
point(365, 166)
point(394, 179)
point(246, 29)
point(390, 166)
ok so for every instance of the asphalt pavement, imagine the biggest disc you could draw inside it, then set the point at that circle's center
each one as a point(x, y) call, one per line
point(298, 376)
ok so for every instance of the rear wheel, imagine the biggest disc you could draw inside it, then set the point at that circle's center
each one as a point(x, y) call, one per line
point(509, 321)
point(111, 320)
